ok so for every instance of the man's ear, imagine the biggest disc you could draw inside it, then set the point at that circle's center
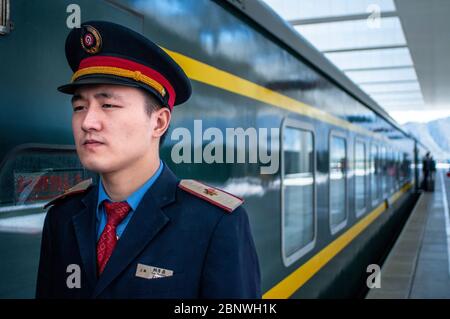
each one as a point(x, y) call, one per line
point(162, 120)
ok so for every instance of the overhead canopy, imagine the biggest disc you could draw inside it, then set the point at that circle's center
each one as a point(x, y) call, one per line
point(395, 51)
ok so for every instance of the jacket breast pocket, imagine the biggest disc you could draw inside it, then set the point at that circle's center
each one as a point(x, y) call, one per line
point(163, 287)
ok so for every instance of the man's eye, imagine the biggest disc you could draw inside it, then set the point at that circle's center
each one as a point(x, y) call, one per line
point(78, 108)
point(108, 106)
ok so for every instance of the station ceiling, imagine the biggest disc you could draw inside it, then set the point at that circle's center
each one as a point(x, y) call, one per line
point(397, 51)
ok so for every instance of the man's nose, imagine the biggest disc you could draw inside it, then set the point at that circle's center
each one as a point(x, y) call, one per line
point(92, 119)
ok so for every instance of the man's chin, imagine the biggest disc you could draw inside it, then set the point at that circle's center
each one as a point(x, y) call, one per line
point(96, 166)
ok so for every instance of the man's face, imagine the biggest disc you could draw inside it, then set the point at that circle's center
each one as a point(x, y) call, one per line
point(111, 127)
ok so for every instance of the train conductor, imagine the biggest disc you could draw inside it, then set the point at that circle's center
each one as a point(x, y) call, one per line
point(141, 232)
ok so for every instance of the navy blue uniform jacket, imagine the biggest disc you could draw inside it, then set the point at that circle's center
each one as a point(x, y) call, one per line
point(210, 251)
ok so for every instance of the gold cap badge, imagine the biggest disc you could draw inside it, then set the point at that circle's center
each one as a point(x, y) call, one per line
point(91, 41)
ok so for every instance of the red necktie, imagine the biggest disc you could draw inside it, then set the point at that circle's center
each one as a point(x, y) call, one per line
point(115, 213)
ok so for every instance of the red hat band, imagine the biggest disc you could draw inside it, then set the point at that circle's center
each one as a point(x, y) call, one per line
point(125, 68)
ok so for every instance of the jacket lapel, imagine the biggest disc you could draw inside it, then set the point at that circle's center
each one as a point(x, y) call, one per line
point(85, 231)
point(147, 221)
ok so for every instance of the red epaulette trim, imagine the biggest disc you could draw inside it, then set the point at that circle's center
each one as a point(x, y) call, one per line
point(215, 196)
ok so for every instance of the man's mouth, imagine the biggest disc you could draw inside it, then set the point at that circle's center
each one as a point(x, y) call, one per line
point(92, 143)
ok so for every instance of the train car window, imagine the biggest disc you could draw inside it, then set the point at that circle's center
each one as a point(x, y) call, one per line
point(397, 169)
point(374, 174)
point(338, 182)
point(387, 159)
point(384, 174)
point(360, 172)
point(390, 169)
point(5, 24)
point(32, 175)
point(298, 191)
point(405, 169)
point(401, 170)
point(393, 170)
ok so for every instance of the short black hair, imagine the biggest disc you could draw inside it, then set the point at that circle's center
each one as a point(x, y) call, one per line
point(152, 105)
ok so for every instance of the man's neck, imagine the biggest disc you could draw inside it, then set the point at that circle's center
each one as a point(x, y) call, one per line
point(121, 184)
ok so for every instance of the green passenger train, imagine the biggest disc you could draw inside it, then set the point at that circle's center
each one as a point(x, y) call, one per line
point(327, 181)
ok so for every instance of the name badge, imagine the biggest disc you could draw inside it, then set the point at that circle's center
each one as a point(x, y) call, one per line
point(151, 272)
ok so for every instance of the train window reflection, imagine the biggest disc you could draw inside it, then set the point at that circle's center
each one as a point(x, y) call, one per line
point(397, 170)
point(297, 193)
point(405, 170)
point(360, 178)
point(391, 170)
point(338, 184)
point(374, 174)
point(384, 174)
point(33, 175)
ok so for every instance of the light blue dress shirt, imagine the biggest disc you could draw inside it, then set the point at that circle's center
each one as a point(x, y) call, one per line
point(133, 200)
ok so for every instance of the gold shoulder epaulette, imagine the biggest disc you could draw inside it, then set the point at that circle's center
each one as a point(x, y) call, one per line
point(77, 189)
point(213, 195)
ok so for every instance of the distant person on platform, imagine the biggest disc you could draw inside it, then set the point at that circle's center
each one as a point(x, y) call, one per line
point(428, 168)
point(432, 173)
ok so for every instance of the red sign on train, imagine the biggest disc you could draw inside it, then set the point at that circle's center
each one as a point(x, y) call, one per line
point(41, 186)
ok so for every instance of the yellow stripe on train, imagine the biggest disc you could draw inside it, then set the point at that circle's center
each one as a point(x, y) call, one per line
point(212, 76)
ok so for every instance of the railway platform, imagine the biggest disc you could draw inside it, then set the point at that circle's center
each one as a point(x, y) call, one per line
point(418, 266)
